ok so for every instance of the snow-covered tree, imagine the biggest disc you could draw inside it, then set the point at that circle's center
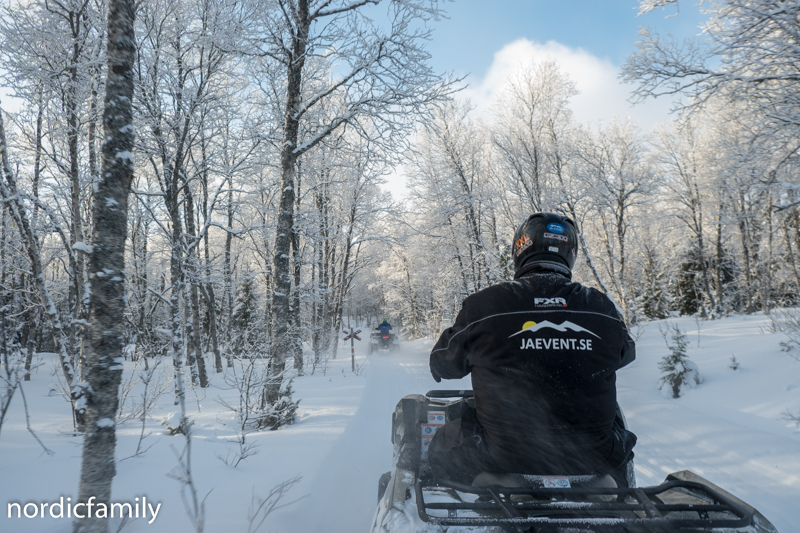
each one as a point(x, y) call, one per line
point(107, 266)
point(616, 172)
point(382, 84)
point(677, 369)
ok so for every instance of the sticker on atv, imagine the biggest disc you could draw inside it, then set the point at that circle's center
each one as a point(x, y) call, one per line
point(435, 421)
point(556, 482)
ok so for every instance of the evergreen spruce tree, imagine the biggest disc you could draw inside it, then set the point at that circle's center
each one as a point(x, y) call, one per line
point(243, 317)
point(690, 296)
point(653, 301)
point(677, 370)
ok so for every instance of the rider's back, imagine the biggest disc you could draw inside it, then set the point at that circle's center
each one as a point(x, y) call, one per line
point(543, 352)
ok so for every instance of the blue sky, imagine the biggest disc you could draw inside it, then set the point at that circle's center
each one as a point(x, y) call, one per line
point(476, 29)
point(490, 40)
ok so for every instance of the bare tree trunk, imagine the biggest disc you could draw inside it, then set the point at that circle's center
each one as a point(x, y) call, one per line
point(743, 230)
point(296, 325)
point(316, 308)
point(343, 286)
point(788, 241)
point(766, 269)
point(464, 285)
point(697, 216)
point(228, 274)
point(282, 345)
point(208, 287)
point(412, 298)
point(37, 160)
point(76, 230)
point(94, 176)
point(718, 277)
point(32, 315)
point(107, 302)
point(297, 329)
point(191, 272)
point(176, 279)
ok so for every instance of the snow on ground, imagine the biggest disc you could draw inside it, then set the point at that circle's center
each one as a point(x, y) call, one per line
point(729, 430)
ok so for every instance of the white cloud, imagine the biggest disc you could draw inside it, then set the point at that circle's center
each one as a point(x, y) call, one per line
point(602, 96)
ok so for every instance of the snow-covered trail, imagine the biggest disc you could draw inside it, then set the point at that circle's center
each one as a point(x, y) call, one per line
point(347, 489)
point(343, 493)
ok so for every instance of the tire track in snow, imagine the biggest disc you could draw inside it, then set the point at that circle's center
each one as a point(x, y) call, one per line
point(345, 491)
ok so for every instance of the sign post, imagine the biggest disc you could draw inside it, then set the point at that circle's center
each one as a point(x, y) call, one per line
point(352, 335)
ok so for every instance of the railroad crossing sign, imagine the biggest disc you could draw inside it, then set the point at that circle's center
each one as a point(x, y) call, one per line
point(352, 334)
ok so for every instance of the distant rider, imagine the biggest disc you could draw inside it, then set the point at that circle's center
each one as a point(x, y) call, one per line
point(384, 326)
point(543, 352)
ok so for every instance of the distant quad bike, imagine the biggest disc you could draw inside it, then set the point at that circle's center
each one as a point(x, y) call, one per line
point(379, 340)
point(411, 500)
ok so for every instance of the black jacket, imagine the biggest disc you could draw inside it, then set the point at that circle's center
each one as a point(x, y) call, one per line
point(543, 352)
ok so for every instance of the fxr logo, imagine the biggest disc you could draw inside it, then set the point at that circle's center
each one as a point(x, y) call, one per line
point(542, 302)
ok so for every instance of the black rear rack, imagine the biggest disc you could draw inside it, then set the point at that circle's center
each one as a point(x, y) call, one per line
point(448, 393)
point(634, 510)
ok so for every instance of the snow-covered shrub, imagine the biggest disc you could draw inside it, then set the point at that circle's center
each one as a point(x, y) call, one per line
point(280, 413)
point(786, 321)
point(677, 370)
point(734, 363)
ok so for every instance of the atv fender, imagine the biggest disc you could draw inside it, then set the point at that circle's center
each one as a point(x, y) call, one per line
point(760, 522)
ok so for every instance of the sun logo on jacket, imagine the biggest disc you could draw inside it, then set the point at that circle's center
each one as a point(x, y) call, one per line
point(531, 327)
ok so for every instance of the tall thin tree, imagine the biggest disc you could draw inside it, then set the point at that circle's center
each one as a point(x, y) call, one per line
point(107, 264)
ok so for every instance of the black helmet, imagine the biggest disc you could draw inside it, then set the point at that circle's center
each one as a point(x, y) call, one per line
point(545, 237)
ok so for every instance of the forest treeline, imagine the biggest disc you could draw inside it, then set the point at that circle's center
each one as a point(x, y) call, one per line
point(258, 225)
point(697, 217)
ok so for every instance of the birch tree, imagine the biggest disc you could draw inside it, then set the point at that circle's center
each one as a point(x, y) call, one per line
point(535, 139)
point(182, 63)
point(449, 167)
point(107, 265)
point(532, 122)
point(681, 154)
point(616, 172)
point(18, 210)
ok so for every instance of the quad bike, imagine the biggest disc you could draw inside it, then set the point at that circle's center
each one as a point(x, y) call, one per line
point(411, 500)
point(380, 340)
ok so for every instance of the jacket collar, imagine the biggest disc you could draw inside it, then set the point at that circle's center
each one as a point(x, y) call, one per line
point(541, 267)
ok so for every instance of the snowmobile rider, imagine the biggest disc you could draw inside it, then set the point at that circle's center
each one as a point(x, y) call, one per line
point(543, 352)
point(384, 326)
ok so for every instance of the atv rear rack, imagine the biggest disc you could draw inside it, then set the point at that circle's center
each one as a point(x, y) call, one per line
point(592, 509)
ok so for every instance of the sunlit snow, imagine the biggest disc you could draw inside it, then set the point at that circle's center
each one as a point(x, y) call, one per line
point(730, 429)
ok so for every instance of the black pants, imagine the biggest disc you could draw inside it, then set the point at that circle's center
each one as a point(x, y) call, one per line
point(458, 452)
